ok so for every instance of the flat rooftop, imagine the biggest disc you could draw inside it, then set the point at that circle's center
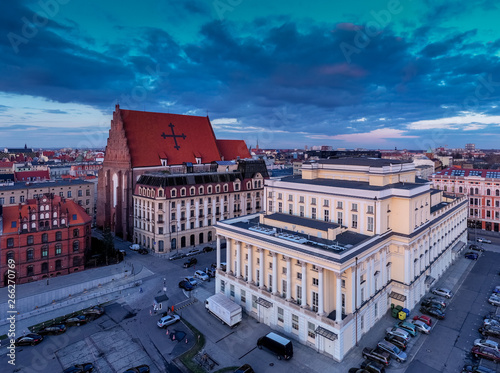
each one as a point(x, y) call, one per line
point(43, 184)
point(349, 184)
point(372, 162)
point(304, 222)
point(343, 242)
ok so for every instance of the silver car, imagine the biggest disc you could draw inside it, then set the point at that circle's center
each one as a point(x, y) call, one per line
point(443, 292)
point(421, 326)
point(399, 332)
point(494, 301)
point(486, 342)
point(395, 352)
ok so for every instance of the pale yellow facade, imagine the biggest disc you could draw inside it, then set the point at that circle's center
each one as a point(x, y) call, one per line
point(336, 247)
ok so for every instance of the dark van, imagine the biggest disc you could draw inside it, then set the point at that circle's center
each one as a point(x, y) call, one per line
point(277, 344)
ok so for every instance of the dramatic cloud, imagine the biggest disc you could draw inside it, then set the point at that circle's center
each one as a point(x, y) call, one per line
point(324, 75)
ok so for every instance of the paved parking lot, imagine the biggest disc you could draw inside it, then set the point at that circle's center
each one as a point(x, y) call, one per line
point(127, 335)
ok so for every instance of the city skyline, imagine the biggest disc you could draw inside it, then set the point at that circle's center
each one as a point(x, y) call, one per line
point(365, 74)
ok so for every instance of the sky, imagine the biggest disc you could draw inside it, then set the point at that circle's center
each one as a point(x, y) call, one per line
point(359, 74)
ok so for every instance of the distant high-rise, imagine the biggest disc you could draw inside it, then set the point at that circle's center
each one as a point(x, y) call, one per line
point(470, 147)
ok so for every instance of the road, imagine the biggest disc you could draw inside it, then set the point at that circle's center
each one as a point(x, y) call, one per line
point(447, 348)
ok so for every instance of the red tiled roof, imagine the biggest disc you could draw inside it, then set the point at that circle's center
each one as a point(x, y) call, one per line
point(11, 213)
point(467, 172)
point(29, 175)
point(6, 164)
point(232, 149)
point(150, 138)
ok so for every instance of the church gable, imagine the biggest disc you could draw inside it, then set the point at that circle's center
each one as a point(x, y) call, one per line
point(156, 139)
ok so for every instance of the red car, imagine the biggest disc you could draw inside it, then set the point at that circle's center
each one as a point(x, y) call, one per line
point(486, 353)
point(423, 318)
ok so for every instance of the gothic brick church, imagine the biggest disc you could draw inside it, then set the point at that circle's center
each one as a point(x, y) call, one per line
point(143, 142)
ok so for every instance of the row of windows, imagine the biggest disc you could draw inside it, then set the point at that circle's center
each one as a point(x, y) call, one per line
point(30, 240)
point(22, 199)
point(44, 267)
point(44, 251)
point(472, 191)
point(149, 192)
point(326, 215)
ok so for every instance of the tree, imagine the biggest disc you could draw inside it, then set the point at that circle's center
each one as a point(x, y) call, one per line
point(108, 244)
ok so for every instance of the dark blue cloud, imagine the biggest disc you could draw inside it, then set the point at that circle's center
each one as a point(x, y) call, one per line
point(273, 71)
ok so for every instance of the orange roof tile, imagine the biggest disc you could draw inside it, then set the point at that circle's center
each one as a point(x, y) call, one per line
point(232, 149)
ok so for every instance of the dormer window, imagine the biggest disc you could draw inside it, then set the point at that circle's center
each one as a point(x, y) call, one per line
point(164, 162)
point(173, 193)
point(198, 160)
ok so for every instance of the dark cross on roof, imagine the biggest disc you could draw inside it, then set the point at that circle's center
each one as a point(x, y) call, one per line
point(174, 136)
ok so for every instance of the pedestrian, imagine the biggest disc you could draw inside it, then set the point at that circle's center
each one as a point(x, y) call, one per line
point(140, 290)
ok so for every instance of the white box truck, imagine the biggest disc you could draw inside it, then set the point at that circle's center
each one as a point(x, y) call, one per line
point(224, 309)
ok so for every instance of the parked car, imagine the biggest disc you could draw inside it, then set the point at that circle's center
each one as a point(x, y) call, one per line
point(377, 354)
point(143, 251)
point(475, 248)
point(476, 369)
point(201, 275)
point(471, 255)
point(423, 318)
point(421, 326)
point(430, 301)
point(223, 266)
point(409, 327)
point(443, 292)
point(372, 366)
point(491, 322)
point(399, 332)
point(432, 311)
point(207, 249)
point(193, 252)
point(186, 285)
point(191, 280)
point(397, 341)
point(139, 369)
point(486, 353)
point(496, 290)
point(134, 247)
point(211, 272)
point(177, 256)
point(80, 368)
point(495, 301)
point(492, 315)
point(490, 331)
point(76, 320)
point(53, 329)
point(95, 311)
point(190, 262)
point(29, 339)
point(483, 240)
point(394, 351)
point(486, 342)
point(167, 320)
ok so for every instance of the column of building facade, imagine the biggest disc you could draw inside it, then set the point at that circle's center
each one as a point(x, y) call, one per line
point(261, 268)
point(238, 259)
point(407, 264)
point(218, 252)
point(304, 285)
point(274, 284)
point(338, 297)
point(250, 263)
point(288, 278)
point(229, 255)
point(383, 266)
point(321, 290)
point(353, 288)
point(371, 276)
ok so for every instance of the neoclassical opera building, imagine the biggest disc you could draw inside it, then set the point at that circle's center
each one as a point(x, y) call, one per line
point(337, 246)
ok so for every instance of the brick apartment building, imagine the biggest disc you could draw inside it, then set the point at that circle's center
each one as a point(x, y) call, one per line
point(46, 236)
point(483, 189)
